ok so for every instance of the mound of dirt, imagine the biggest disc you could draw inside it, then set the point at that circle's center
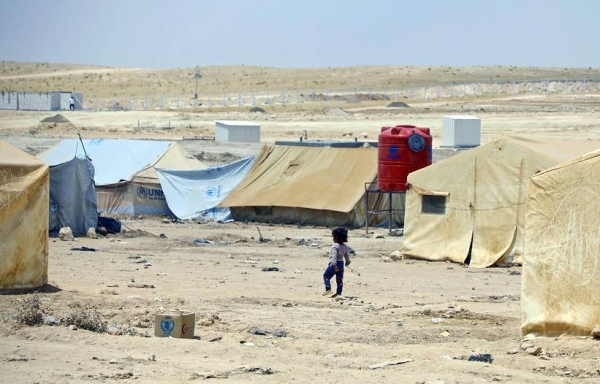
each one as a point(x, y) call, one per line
point(57, 119)
point(257, 110)
point(337, 112)
point(397, 104)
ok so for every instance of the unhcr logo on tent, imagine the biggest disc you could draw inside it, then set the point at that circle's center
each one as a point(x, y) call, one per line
point(150, 193)
point(212, 192)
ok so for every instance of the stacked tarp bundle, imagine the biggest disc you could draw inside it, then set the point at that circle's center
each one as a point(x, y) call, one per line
point(24, 185)
point(73, 197)
point(471, 207)
point(561, 266)
point(195, 194)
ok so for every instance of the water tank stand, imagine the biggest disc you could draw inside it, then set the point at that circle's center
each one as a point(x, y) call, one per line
point(390, 209)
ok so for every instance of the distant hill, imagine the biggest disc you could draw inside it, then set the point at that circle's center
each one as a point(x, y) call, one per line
point(106, 82)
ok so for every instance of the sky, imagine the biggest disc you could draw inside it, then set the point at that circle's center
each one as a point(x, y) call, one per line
point(302, 33)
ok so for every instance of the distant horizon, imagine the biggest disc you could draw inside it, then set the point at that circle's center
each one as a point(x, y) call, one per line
point(295, 68)
point(307, 34)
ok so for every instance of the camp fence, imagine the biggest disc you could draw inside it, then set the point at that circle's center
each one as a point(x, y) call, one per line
point(249, 98)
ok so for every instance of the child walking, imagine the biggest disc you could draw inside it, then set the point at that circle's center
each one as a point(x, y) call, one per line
point(337, 255)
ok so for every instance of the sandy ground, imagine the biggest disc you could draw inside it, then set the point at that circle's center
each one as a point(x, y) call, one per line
point(429, 316)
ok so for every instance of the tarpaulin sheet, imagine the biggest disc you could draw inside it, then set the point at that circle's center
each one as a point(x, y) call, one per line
point(194, 194)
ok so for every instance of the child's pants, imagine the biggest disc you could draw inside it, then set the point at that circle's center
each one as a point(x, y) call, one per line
point(339, 277)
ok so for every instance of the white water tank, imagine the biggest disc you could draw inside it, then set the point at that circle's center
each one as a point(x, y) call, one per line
point(240, 131)
point(461, 132)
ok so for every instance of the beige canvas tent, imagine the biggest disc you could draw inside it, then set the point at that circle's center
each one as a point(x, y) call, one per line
point(472, 204)
point(309, 185)
point(126, 178)
point(24, 191)
point(561, 264)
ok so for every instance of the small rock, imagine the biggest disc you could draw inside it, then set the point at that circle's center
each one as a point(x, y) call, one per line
point(166, 221)
point(286, 304)
point(258, 331)
point(596, 332)
point(50, 320)
point(396, 256)
point(91, 233)
point(66, 234)
point(385, 259)
point(279, 333)
point(512, 352)
point(534, 351)
point(206, 322)
point(152, 357)
point(73, 327)
point(114, 330)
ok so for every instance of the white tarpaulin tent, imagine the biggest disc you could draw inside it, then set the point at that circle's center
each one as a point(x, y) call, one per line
point(195, 194)
point(561, 266)
point(24, 190)
point(472, 204)
point(126, 179)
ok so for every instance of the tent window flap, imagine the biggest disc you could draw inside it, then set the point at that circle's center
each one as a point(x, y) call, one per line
point(433, 204)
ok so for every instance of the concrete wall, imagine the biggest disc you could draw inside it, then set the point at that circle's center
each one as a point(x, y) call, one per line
point(8, 100)
point(40, 101)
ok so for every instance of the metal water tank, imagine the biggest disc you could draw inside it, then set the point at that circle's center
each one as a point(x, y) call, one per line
point(402, 149)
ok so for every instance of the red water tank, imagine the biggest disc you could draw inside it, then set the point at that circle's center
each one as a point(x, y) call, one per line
point(402, 150)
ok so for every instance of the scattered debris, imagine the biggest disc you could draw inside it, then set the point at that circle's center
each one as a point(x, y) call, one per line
point(258, 331)
point(225, 374)
point(16, 358)
point(483, 357)
point(202, 241)
point(264, 332)
point(388, 363)
point(50, 320)
point(140, 285)
point(270, 269)
point(84, 249)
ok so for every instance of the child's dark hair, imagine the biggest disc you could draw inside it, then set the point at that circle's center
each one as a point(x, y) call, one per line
point(341, 234)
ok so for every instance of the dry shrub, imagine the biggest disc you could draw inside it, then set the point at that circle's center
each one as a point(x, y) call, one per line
point(28, 311)
point(88, 319)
